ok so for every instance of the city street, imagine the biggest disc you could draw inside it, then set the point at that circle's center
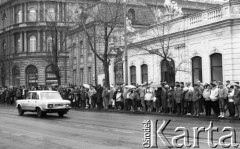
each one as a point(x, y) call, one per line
point(92, 130)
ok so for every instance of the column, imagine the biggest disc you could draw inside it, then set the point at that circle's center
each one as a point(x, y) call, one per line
point(25, 42)
point(39, 12)
point(25, 12)
point(44, 11)
point(59, 41)
point(13, 15)
point(22, 41)
point(44, 42)
point(58, 11)
point(38, 42)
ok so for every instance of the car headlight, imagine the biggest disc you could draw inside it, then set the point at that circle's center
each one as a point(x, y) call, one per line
point(50, 106)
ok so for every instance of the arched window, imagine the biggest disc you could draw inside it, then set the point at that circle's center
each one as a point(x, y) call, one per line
point(31, 76)
point(33, 43)
point(50, 75)
point(131, 15)
point(16, 76)
point(144, 72)
point(133, 75)
point(18, 44)
point(49, 44)
point(32, 16)
point(216, 67)
point(51, 14)
point(19, 16)
point(168, 71)
point(196, 69)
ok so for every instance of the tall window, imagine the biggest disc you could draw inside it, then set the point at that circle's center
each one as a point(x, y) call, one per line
point(16, 76)
point(32, 14)
point(216, 67)
point(49, 44)
point(89, 75)
point(19, 18)
point(32, 43)
point(18, 44)
point(133, 75)
point(50, 75)
point(196, 69)
point(144, 73)
point(168, 71)
point(81, 76)
point(51, 14)
point(32, 76)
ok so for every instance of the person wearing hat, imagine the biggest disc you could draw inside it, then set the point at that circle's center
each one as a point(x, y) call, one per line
point(214, 99)
point(222, 95)
point(236, 98)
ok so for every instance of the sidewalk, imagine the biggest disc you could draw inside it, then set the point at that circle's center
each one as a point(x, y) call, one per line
point(137, 112)
point(154, 113)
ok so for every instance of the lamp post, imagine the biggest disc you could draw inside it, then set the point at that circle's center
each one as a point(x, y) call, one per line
point(125, 42)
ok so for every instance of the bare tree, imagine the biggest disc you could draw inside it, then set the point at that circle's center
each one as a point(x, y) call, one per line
point(99, 23)
point(163, 41)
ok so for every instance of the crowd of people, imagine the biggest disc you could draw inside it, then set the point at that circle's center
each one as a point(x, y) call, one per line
point(214, 99)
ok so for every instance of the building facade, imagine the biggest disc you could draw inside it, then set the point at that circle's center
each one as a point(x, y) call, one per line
point(26, 39)
point(86, 68)
point(205, 46)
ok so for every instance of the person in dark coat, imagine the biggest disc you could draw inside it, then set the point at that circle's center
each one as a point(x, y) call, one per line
point(99, 97)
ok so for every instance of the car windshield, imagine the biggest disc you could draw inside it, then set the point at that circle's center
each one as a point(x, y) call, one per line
point(50, 96)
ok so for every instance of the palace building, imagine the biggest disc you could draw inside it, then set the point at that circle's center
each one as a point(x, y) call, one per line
point(25, 40)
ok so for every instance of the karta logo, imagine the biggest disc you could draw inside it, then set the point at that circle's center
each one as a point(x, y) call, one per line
point(153, 133)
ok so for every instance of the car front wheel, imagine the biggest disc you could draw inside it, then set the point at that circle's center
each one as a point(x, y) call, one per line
point(20, 111)
point(39, 112)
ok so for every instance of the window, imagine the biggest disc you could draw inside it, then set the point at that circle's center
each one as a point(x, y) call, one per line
point(81, 47)
point(31, 76)
point(19, 16)
point(81, 76)
point(131, 15)
point(4, 46)
point(74, 76)
point(133, 75)
point(32, 14)
point(51, 14)
point(144, 72)
point(16, 76)
point(89, 57)
point(89, 75)
point(35, 96)
point(168, 71)
point(49, 44)
point(18, 44)
point(81, 59)
point(32, 44)
point(50, 75)
point(196, 69)
point(216, 67)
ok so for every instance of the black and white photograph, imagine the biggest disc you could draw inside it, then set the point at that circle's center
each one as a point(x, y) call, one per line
point(119, 74)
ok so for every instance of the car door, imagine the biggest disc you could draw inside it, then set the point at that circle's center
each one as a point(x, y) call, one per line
point(34, 100)
point(26, 102)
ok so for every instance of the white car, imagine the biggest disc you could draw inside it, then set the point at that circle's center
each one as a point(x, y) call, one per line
point(43, 102)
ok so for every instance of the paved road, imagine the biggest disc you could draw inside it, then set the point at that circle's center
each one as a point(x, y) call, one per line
point(92, 130)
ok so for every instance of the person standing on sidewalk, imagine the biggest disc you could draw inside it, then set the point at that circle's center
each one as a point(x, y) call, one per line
point(105, 96)
point(206, 96)
point(214, 99)
point(223, 93)
point(231, 107)
point(237, 100)
point(178, 95)
point(141, 91)
point(197, 94)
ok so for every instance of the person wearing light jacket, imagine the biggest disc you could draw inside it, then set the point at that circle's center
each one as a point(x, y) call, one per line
point(231, 107)
point(222, 95)
point(206, 96)
point(214, 99)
